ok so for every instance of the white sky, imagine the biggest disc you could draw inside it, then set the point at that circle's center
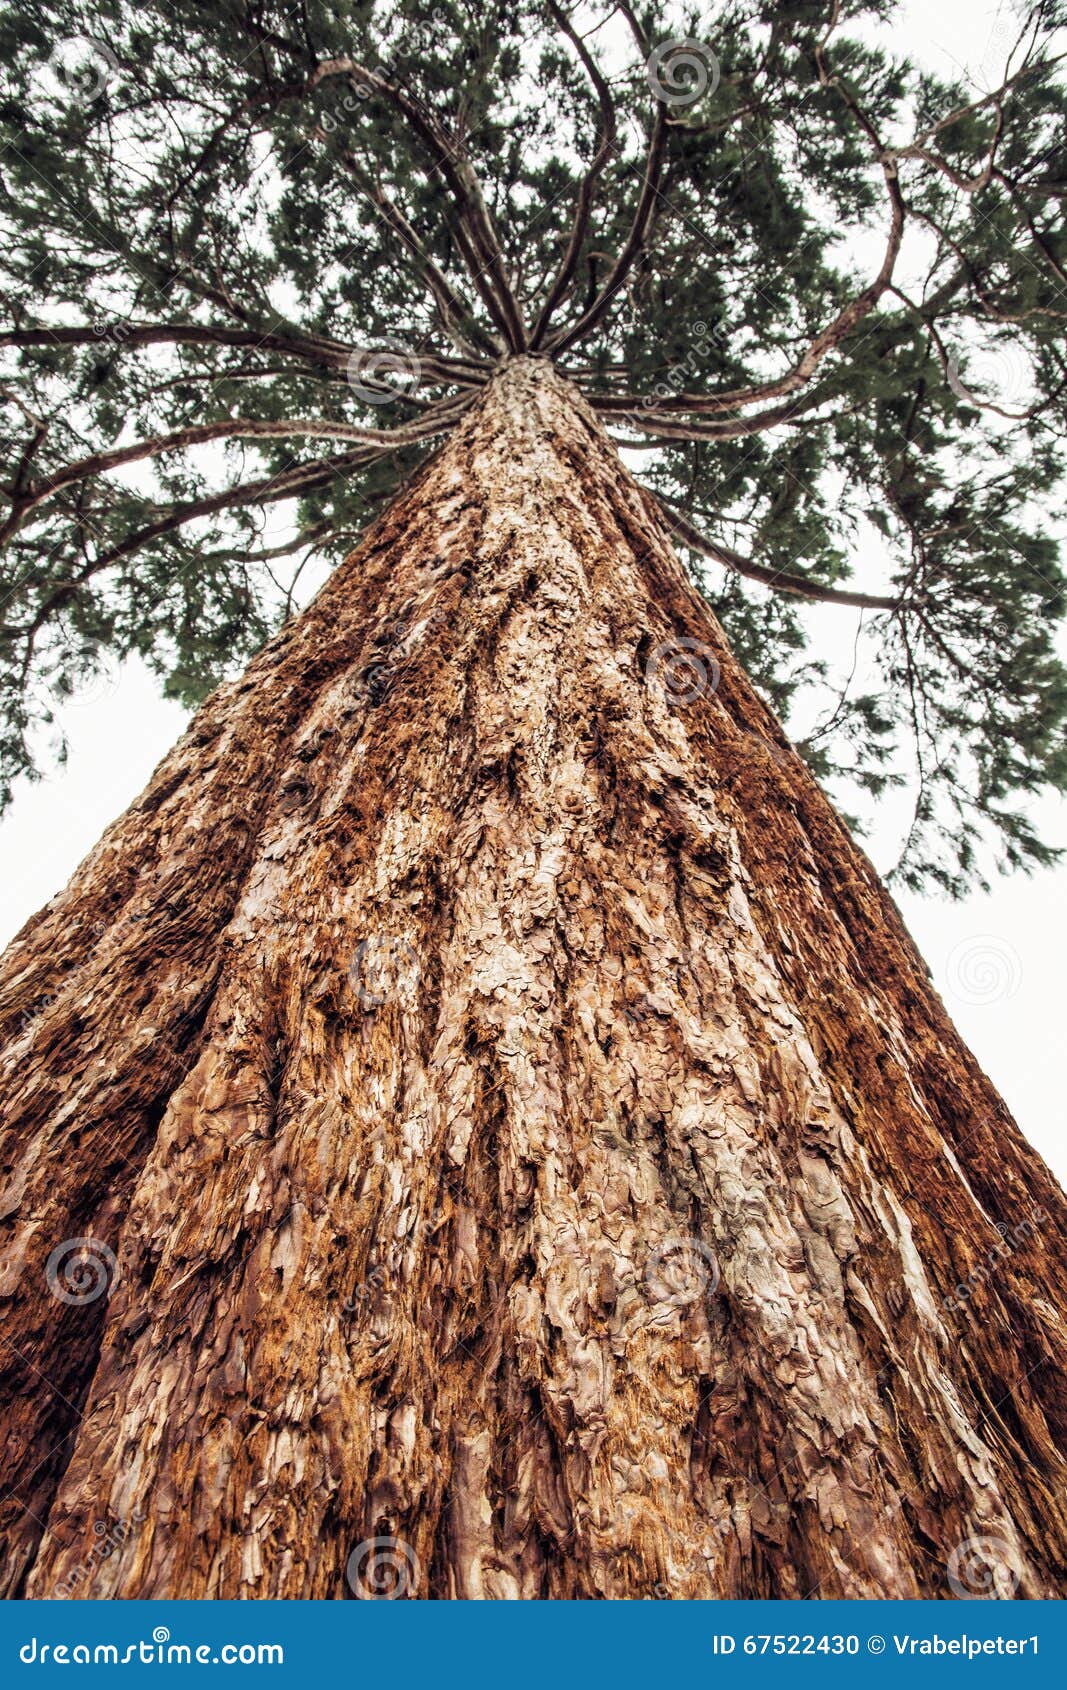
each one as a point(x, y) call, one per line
point(996, 958)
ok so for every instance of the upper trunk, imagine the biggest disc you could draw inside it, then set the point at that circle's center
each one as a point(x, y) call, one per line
point(523, 1128)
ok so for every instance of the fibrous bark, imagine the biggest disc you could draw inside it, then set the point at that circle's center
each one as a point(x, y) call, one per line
point(519, 1148)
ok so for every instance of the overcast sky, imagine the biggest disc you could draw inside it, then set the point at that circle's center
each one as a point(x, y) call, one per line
point(997, 959)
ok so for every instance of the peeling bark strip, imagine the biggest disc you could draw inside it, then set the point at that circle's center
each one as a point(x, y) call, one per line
point(476, 1126)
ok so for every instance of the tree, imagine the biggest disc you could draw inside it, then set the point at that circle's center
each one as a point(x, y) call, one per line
point(516, 1148)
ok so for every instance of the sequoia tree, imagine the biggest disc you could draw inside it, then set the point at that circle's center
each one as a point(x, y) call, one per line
point(476, 1126)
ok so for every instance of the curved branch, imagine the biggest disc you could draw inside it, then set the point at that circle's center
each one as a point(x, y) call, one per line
point(835, 331)
point(605, 147)
point(824, 342)
point(625, 410)
point(952, 374)
point(454, 312)
point(797, 585)
point(287, 484)
point(918, 148)
point(638, 229)
point(100, 463)
point(477, 238)
point(333, 354)
point(155, 334)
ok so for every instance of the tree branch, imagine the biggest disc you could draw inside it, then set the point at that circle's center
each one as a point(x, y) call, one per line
point(434, 422)
point(629, 409)
point(193, 334)
point(455, 313)
point(605, 147)
point(638, 229)
point(481, 243)
point(332, 354)
point(799, 586)
point(288, 484)
point(835, 331)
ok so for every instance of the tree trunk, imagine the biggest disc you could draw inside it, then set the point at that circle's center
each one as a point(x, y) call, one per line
point(518, 1148)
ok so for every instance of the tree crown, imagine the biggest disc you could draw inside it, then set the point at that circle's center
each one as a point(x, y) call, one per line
point(260, 259)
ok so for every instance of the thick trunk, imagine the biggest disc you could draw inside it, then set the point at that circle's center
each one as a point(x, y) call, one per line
point(522, 1127)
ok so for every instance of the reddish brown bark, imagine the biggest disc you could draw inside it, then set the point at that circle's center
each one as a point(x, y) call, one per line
point(524, 1130)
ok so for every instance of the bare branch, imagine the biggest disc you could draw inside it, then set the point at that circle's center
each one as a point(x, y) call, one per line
point(314, 349)
point(835, 331)
point(454, 312)
point(288, 484)
point(638, 229)
point(605, 147)
point(435, 421)
point(38, 435)
point(311, 347)
point(799, 586)
point(478, 239)
point(632, 410)
point(917, 148)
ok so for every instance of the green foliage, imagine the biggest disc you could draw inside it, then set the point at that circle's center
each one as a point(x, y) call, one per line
point(835, 307)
